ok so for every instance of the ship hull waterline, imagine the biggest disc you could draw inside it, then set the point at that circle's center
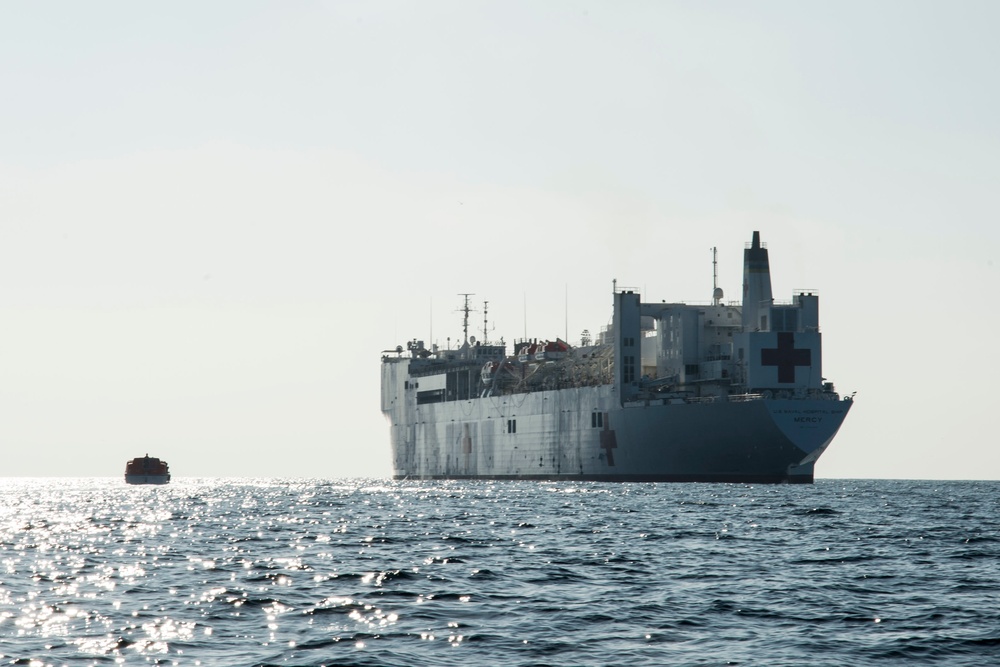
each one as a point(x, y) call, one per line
point(147, 479)
point(549, 436)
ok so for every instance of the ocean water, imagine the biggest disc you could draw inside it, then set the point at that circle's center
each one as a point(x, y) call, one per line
point(374, 572)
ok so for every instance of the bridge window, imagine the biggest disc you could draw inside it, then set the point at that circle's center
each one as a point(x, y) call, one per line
point(785, 319)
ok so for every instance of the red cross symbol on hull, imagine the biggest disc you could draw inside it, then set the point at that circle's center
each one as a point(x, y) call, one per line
point(608, 440)
point(786, 357)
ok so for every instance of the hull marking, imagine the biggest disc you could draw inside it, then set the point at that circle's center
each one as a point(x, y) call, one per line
point(786, 357)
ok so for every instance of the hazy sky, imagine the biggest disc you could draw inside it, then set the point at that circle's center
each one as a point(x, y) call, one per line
point(215, 216)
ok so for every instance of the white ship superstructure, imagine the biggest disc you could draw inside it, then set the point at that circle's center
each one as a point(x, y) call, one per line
point(670, 392)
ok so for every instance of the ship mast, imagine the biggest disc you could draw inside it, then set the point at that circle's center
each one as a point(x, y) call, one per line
point(486, 331)
point(715, 277)
point(465, 317)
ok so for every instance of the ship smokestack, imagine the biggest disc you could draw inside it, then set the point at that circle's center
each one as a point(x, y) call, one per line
point(757, 297)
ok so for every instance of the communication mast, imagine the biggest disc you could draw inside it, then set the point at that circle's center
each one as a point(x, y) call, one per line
point(716, 290)
point(465, 317)
point(486, 324)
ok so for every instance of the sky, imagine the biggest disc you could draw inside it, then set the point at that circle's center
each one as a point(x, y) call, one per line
point(215, 217)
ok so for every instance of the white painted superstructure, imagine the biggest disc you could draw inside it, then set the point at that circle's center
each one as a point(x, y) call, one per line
point(672, 392)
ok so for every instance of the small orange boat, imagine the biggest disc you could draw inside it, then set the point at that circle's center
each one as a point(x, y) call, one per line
point(147, 470)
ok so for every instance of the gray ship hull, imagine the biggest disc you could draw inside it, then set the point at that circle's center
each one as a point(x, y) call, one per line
point(581, 434)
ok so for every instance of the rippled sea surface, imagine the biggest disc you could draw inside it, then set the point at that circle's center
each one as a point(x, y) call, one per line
point(372, 572)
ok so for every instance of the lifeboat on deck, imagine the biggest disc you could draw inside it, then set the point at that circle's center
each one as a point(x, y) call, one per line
point(527, 352)
point(488, 370)
point(551, 350)
point(147, 470)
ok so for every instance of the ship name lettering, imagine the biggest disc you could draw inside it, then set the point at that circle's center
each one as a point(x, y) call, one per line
point(812, 420)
